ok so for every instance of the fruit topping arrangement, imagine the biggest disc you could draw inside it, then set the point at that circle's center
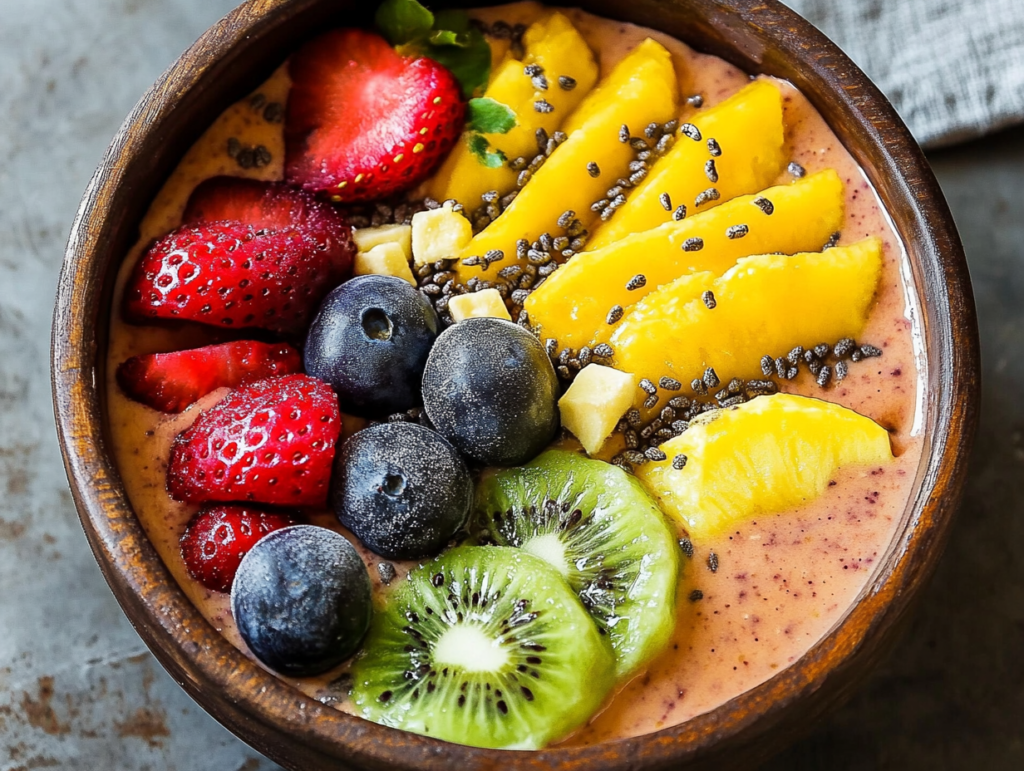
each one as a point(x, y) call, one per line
point(519, 324)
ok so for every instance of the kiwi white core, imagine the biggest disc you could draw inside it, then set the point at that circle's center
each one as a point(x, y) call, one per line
point(550, 549)
point(470, 649)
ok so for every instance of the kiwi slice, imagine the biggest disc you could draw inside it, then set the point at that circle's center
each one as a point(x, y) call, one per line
point(483, 646)
point(604, 534)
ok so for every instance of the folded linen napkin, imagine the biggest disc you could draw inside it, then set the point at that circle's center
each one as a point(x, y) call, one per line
point(953, 69)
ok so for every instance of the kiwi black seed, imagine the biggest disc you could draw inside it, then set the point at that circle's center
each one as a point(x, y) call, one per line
point(483, 646)
point(604, 534)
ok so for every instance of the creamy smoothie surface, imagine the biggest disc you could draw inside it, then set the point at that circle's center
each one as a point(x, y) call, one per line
point(751, 602)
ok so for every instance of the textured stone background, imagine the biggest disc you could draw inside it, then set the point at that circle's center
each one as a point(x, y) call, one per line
point(77, 687)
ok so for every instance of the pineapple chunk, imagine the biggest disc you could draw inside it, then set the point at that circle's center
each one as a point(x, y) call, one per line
point(554, 44)
point(595, 401)
point(386, 259)
point(439, 234)
point(572, 304)
point(486, 302)
point(367, 238)
point(749, 130)
point(771, 454)
point(764, 305)
point(640, 89)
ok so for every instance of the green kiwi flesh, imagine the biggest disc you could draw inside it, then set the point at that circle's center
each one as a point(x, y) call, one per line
point(605, 535)
point(483, 646)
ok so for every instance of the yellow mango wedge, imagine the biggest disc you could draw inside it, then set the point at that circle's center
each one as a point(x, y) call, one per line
point(640, 89)
point(771, 454)
point(748, 131)
point(764, 305)
point(573, 303)
point(554, 44)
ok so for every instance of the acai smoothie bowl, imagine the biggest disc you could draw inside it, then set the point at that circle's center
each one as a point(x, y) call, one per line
point(515, 386)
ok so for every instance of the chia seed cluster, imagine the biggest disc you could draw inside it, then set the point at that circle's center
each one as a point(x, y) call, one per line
point(644, 435)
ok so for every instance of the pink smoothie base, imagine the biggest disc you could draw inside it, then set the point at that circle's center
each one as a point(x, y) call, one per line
point(783, 581)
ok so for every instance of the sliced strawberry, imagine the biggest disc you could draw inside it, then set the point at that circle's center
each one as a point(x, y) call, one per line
point(267, 442)
point(272, 206)
point(170, 382)
point(217, 538)
point(250, 254)
point(365, 122)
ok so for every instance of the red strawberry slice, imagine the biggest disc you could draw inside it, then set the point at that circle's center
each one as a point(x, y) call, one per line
point(268, 205)
point(251, 254)
point(170, 382)
point(217, 538)
point(267, 442)
point(365, 122)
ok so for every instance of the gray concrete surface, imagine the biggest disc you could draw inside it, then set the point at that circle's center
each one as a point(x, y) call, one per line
point(77, 687)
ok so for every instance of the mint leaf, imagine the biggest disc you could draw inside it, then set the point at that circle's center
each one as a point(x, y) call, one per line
point(468, 57)
point(479, 146)
point(447, 37)
point(402, 21)
point(487, 116)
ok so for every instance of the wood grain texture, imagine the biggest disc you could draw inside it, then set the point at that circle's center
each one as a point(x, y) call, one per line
point(301, 733)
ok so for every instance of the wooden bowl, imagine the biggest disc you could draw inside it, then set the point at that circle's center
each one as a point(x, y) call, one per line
point(234, 57)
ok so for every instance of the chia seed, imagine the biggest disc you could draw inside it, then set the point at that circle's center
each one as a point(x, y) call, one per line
point(670, 384)
point(653, 453)
point(691, 131)
point(764, 205)
point(832, 240)
point(710, 378)
point(767, 366)
point(666, 201)
point(709, 299)
point(713, 562)
point(543, 106)
point(539, 82)
point(844, 347)
point(842, 369)
point(737, 231)
point(694, 244)
point(714, 148)
point(695, 101)
point(869, 351)
point(624, 133)
point(710, 171)
point(614, 315)
point(824, 376)
point(796, 169)
point(698, 387)
point(679, 213)
point(685, 543)
point(648, 387)
point(566, 83)
point(696, 595)
point(387, 572)
point(593, 170)
point(650, 401)
point(532, 70)
point(638, 281)
point(603, 351)
point(711, 194)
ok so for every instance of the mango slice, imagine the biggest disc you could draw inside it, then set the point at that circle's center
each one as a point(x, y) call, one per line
point(742, 140)
point(573, 303)
point(554, 44)
point(770, 454)
point(764, 305)
point(640, 89)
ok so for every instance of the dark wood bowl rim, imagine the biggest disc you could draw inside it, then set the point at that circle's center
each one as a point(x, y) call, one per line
point(260, 707)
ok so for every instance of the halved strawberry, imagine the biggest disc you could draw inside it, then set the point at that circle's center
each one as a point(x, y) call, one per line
point(250, 254)
point(267, 442)
point(365, 122)
point(170, 382)
point(217, 537)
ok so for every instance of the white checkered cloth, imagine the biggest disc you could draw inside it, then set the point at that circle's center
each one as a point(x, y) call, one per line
point(954, 69)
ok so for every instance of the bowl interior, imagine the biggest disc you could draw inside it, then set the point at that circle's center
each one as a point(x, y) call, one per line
point(232, 58)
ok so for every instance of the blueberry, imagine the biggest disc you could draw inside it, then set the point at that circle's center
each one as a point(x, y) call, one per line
point(490, 389)
point(301, 600)
point(401, 489)
point(369, 341)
